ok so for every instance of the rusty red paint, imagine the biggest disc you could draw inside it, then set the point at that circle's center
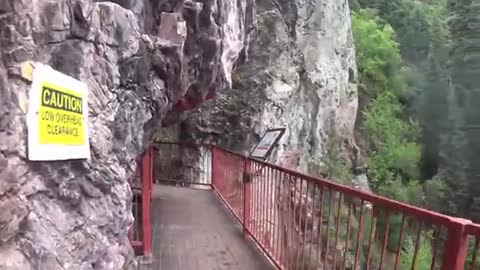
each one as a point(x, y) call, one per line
point(457, 243)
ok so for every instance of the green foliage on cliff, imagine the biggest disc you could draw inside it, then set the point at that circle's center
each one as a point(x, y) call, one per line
point(392, 154)
point(426, 55)
point(391, 149)
point(378, 57)
point(401, 52)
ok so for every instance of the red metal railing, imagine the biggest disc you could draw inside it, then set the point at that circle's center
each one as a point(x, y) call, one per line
point(227, 180)
point(307, 223)
point(141, 185)
point(302, 222)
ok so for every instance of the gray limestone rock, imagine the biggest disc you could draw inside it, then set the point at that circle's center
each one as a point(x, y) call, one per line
point(138, 58)
point(301, 75)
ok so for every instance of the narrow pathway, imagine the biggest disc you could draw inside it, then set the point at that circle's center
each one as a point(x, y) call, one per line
point(193, 230)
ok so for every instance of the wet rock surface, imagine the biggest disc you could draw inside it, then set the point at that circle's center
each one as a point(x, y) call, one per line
point(138, 58)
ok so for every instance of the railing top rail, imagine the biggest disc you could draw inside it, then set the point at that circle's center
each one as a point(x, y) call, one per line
point(473, 229)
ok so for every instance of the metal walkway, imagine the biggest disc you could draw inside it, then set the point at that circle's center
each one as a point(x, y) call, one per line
point(299, 221)
point(193, 230)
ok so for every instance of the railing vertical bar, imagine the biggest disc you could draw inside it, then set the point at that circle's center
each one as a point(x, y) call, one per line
point(258, 189)
point(359, 236)
point(146, 180)
point(244, 187)
point(327, 244)
point(263, 207)
point(253, 193)
point(274, 214)
point(285, 218)
point(301, 220)
point(304, 216)
point(385, 238)
point(269, 209)
point(273, 196)
point(281, 211)
point(436, 234)
point(337, 229)
point(253, 207)
point(347, 236)
point(310, 257)
point(417, 244)
point(300, 216)
point(291, 210)
point(296, 225)
point(400, 239)
point(278, 192)
point(371, 237)
point(247, 198)
point(319, 234)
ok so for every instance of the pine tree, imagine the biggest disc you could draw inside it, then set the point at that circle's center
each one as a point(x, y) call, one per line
point(453, 160)
point(432, 113)
point(463, 142)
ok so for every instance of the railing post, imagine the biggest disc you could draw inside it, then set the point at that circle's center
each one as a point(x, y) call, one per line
point(147, 179)
point(247, 185)
point(213, 173)
point(456, 247)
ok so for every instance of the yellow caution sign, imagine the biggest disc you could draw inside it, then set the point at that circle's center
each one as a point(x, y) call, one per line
point(60, 116)
point(57, 116)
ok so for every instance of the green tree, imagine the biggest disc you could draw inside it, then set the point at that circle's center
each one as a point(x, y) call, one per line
point(378, 58)
point(423, 40)
point(392, 154)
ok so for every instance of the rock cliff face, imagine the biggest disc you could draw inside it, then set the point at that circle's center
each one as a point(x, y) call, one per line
point(139, 58)
point(301, 75)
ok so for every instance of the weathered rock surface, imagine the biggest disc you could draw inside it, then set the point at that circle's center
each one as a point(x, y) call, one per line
point(301, 75)
point(138, 58)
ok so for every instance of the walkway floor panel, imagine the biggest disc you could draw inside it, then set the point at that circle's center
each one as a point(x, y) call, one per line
point(192, 230)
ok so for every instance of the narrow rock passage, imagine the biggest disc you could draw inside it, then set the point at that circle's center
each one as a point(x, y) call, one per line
point(193, 230)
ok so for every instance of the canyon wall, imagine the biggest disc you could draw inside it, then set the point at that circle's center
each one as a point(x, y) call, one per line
point(301, 74)
point(139, 58)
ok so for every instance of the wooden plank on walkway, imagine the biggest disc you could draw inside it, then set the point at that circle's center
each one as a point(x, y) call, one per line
point(193, 230)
